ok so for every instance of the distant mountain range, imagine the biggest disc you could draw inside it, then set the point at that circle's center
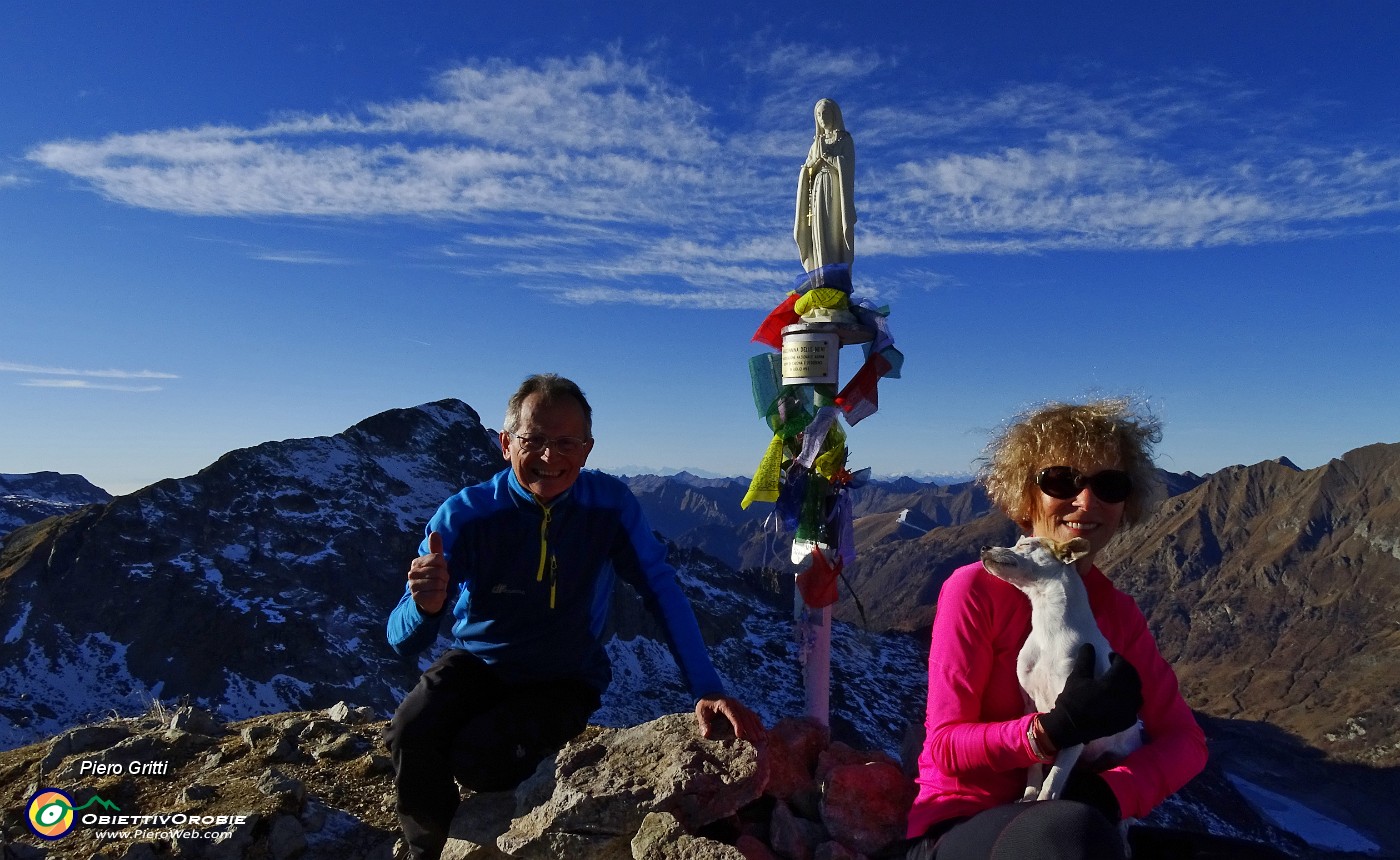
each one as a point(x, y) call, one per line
point(1275, 591)
point(26, 499)
point(263, 582)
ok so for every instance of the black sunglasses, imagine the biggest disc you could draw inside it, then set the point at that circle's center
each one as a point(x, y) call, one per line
point(1066, 482)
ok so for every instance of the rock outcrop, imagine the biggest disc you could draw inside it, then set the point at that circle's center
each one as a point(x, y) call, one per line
point(184, 783)
point(601, 788)
point(659, 791)
point(318, 784)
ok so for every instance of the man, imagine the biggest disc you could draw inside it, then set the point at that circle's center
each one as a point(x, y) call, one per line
point(525, 562)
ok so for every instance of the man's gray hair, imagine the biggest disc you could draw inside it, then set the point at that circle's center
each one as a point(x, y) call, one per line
point(551, 387)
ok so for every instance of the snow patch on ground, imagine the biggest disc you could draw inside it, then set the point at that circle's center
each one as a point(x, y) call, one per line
point(646, 684)
point(235, 552)
point(1312, 826)
point(80, 681)
point(244, 697)
point(17, 629)
point(338, 826)
point(876, 678)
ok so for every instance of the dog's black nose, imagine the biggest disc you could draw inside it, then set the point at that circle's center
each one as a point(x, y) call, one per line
point(985, 548)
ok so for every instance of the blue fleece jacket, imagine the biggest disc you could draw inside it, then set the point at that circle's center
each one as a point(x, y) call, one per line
point(531, 585)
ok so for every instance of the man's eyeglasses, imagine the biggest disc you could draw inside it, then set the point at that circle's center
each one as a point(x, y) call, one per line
point(566, 445)
point(1066, 482)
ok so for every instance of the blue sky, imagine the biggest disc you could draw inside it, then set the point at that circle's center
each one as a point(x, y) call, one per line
point(226, 223)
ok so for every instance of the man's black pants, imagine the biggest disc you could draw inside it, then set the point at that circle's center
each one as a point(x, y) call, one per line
point(462, 723)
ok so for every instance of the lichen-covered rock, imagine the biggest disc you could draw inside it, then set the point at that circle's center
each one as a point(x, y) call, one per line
point(196, 721)
point(661, 837)
point(481, 818)
point(83, 739)
point(591, 803)
point(841, 754)
point(754, 848)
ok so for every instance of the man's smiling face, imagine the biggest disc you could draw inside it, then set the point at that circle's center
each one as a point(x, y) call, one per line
point(546, 472)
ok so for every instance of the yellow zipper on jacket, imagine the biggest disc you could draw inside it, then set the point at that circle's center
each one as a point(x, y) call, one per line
point(544, 554)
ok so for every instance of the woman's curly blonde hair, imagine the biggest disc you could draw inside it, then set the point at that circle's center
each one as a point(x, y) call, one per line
point(1068, 434)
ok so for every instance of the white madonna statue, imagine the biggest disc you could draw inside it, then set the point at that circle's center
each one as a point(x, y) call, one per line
point(825, 226)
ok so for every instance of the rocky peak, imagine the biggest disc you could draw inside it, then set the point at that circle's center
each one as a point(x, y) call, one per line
point(1259, 584)
point(262, 584)
point(259, 584)
point(318, 784)
point(32, 497)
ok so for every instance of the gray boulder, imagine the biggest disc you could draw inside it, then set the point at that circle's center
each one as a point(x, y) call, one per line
point(593, 799)
point(661, 837)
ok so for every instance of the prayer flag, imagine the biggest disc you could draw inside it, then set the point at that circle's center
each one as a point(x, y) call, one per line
point(859, 399)
point(818, 582)
point(770, 332)
point(768, 477)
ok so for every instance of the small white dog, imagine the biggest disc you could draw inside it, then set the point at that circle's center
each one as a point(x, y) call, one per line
point(1061, 621)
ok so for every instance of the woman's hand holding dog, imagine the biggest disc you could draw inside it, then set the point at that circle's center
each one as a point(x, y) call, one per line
point(1089, 707)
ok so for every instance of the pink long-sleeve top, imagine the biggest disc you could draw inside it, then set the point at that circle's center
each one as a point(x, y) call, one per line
point(975, 751)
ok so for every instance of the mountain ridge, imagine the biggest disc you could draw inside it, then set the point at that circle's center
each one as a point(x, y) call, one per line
point(29, 498)
point(263, 583)
point(1247, 575)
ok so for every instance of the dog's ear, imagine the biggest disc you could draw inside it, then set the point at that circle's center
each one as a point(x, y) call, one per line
point(1072, 550)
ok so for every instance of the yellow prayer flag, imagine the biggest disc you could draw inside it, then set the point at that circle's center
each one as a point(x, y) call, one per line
point(768, 478)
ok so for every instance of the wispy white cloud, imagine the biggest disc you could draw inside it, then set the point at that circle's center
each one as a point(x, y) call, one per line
point(602, 181)
point(593, 140)
point(743, 298)
point(301, 258)
point(104, 374)
point(812, 65)
point(86, 385)
point(273, 255)
point(10, 180)
point(1091, 191)
point(83, 379)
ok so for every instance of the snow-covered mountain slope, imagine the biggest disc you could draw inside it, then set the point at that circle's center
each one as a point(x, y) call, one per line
point(31, 497)
point(263, 584)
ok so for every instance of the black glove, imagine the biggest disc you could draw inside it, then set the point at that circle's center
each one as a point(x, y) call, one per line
point(1090, 707)
point(1088, 787)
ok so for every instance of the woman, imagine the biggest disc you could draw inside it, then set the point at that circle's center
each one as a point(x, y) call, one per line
point(825, 225)
point(1061, 472)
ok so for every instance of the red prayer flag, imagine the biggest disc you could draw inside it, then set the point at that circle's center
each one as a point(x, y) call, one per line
point(860, 398)
point(771, 331)
point(818, 582)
